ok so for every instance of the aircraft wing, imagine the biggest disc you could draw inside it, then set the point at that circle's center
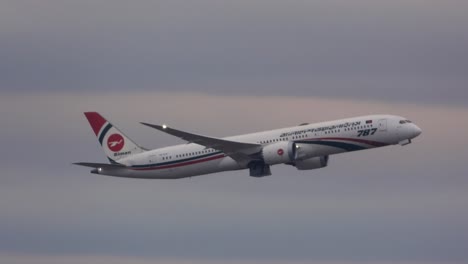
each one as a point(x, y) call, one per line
point(239, 151)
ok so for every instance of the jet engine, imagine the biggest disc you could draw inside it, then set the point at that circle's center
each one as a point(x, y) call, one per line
point(299, 155)
point(280, 152)
point(312, 163)
point(303, 151)
point(289, 152)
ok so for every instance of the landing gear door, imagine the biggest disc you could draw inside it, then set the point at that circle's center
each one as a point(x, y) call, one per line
point(382, 124)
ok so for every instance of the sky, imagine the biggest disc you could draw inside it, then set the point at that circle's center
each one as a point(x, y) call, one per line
point(224, 68)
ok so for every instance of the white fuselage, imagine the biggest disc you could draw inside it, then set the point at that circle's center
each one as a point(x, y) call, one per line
point(325, 138)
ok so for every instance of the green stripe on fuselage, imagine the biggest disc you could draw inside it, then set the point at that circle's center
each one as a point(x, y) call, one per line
point(341, 145)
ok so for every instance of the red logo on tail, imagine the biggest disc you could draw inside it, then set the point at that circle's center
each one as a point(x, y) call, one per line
point(115, 142)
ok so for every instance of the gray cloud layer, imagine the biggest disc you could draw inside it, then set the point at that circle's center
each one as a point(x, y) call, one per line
point(391, 204)
point(272, 64)
point(394, 50)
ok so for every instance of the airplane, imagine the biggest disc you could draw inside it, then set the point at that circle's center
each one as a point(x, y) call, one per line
point(306, 147)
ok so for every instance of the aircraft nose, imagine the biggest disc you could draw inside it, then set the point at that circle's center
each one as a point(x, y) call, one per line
point(416, 131)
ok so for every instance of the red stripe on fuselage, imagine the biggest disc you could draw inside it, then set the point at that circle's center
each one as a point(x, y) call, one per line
point(180, 164)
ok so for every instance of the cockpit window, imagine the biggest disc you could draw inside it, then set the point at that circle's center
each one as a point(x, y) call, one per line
point(404, 121)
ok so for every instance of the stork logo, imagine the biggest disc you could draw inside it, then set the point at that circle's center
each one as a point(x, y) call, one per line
point(280, 152)
point(115, 142)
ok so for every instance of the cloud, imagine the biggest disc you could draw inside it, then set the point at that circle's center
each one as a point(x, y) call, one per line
point(226, 69)
point(396, 51)
point(40, 259)
point(394, 204)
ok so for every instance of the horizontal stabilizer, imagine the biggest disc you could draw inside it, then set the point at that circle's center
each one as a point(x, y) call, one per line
point(100, 165)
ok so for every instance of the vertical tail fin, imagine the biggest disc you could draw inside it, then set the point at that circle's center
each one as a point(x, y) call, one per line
point(116, 144)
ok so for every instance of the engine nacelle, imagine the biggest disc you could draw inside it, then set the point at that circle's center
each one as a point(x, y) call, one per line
point(312, 163)
point(281, 152)
point(304, 151)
